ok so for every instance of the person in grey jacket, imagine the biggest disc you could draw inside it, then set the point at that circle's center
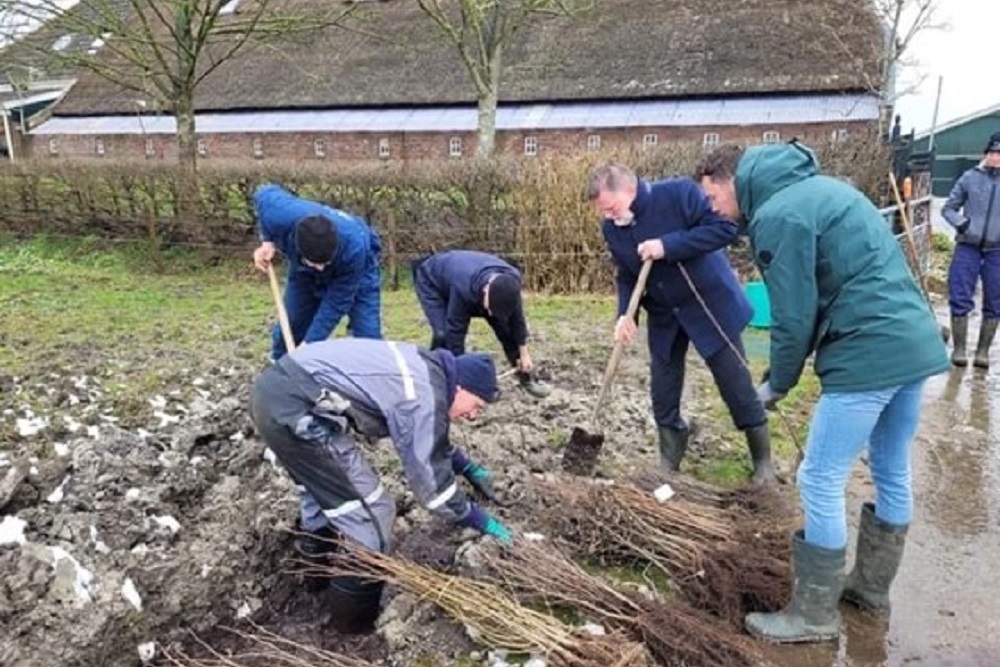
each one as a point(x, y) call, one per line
point(973, 209)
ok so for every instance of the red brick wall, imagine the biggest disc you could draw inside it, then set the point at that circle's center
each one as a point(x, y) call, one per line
point(363, 146)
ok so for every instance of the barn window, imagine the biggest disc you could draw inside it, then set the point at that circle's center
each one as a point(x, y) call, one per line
point(772, 137)
point(710, 140)
point(319, 148)
point(840, 134)
point(99, 147)
point(384, 150)
point(531, 146)
point(649, 141)
point(258, 147)
point(202, 148)
point(53, 146)
point(455, 147)
point(150, 148)
point(594, 142)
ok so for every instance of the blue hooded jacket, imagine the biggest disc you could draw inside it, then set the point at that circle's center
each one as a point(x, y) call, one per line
point(358, 252)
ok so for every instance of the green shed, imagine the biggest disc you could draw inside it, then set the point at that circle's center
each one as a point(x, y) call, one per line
point(958, 146)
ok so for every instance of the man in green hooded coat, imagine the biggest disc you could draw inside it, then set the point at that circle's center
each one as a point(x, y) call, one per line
point(840, 288)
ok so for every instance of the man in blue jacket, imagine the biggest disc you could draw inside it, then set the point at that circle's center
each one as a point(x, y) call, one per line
point(455, 286)
point(314, 403)
point(973, 209)
point(692, 296)
point(333, 266)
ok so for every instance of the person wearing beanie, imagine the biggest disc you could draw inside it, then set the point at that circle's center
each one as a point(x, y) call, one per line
point(973, 209)
point(332, 260)
point(455, 286)
point(311, 407)
point(671, 223)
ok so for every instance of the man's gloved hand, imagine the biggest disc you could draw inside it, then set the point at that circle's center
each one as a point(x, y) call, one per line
point(486, 524)
point(964, 227)
point(768, 397)
point(480, 479)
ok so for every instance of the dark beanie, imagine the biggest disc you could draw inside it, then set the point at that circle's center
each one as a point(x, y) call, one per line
point(316, 238)
point(994, 143)
point(476, 373)
point(505, 296)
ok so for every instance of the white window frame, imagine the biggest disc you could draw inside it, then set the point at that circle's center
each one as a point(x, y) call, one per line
point(202, 147)
point(99, 148)
point(594, 142)
point(150, 148)
point(455, 147)
point(319, 148)
point(771, 137)
point(531, 146)
point(54, 146)
point(384, 148)
point(258, 147)
point(840, 134)
point(710, 140)
point(650, 140)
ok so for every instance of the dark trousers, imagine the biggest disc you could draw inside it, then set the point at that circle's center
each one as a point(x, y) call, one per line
point(969, 264)
point(732, 377)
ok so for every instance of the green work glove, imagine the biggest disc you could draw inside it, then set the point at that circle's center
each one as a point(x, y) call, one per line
point(486, 524)
point(480, 479)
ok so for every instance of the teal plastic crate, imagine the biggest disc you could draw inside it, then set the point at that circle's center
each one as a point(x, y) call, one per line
point(757, 294)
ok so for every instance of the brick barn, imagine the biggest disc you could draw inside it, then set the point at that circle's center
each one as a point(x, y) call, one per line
point(627, 73)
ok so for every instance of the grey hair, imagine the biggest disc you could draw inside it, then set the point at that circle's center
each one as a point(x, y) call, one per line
point(609, 177)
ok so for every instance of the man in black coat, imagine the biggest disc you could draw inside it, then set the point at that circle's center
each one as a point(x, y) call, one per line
point(457, 285)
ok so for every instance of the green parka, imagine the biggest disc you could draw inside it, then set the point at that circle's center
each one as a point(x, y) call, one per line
point(836, 277)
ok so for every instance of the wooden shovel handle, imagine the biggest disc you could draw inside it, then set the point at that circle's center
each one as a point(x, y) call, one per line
point(286, 329)
point(616, 353)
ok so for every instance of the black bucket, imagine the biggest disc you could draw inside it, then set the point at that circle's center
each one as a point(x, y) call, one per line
point(354, 603)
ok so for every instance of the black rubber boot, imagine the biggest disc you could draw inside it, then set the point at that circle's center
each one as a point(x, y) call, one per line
point(880, 551)
point(960, 337)
point(316, 545)
point(987, 330)
point(673, 446)
point(759, 444)
point(354, 603)
point(812, 614)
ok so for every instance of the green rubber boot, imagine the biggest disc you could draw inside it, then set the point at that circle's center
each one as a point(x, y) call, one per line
point(673, 446)
point(759, 444)
point(960, 337)
point(987, 331)
point(880, 550)
point(812, 614)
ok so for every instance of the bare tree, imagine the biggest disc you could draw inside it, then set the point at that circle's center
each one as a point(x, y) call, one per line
point(480, 30)
point(164, 50)
point(904, 21)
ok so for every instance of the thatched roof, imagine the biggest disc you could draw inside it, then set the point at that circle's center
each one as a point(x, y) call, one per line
point(621, 49)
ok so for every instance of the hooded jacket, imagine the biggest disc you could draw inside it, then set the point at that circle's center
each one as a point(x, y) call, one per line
point(836, 278)
point(973, 207)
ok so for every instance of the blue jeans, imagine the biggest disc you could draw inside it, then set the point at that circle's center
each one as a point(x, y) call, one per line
point(842, 424)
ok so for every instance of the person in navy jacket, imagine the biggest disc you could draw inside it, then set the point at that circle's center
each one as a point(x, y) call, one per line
point(333, 266)
point(671, 222)
point(457, 285)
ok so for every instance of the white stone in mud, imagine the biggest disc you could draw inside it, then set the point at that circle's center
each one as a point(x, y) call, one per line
point(12, 530)
point(73, 583)
point(168, 522)
point(59, 493)
point(147, 651)
point(131, 594)
point(31, 425)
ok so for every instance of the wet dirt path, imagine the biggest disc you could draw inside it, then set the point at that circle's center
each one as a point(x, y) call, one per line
point(946, 600)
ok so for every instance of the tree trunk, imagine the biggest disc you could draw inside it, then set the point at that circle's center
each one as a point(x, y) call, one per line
point(187, 163)
point(488, 110)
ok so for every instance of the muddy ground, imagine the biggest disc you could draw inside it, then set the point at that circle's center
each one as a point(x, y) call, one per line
point(115, 537)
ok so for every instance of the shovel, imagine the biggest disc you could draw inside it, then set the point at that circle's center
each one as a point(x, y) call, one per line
point(286, 328)
point(580, 456)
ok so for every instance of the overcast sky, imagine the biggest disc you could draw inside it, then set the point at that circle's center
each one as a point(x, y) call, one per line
point(965, 54)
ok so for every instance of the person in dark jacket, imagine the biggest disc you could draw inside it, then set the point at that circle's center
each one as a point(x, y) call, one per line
point(457, 285)
point(333, 266)
point(311, 406)
point(671, 222)
point(840, 287)
point(973, 209)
